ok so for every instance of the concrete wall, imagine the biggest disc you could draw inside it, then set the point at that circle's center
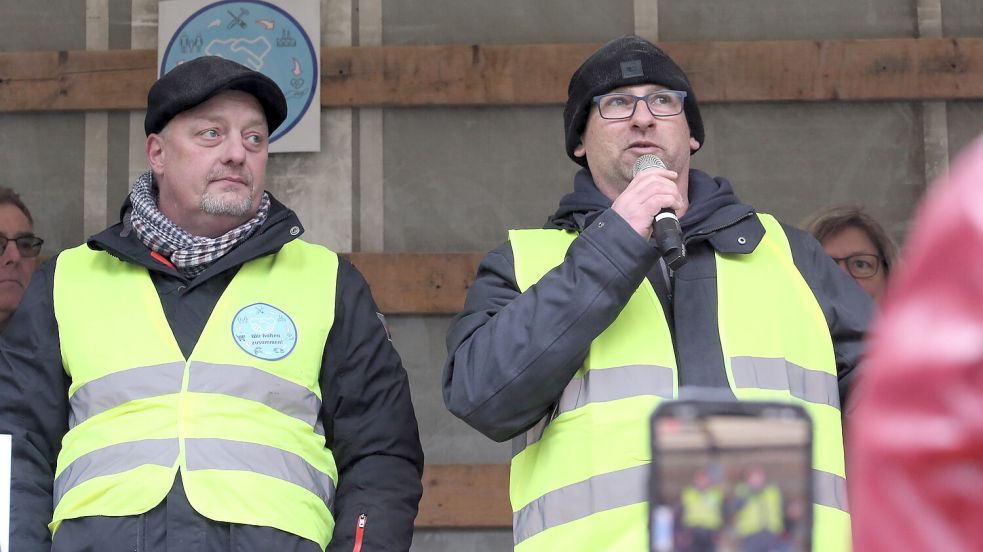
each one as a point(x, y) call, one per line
point(456, 178)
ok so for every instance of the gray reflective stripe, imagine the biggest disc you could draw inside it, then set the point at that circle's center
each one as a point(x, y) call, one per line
point(115, 459)
point(253, 384)
point(604, 385)
point(222, 454)
point(112, 390)
point(777, 373)
point(579, 500)
point(829, 489)
point(531, 435)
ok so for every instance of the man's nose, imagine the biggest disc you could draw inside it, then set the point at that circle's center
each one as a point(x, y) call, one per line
point(10, 253)
point(235, 150)
point(642, 116)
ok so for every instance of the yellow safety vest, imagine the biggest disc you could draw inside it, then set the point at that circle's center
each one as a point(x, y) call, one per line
point(761, 511)
point(579, 477)
point(238, 418)
point(703, 509)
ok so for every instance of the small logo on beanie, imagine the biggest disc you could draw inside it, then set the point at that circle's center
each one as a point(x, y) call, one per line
point(631, 69)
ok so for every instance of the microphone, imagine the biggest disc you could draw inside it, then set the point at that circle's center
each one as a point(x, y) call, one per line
point(668, 235)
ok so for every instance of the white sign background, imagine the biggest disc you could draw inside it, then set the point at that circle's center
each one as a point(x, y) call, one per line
point(268, 43)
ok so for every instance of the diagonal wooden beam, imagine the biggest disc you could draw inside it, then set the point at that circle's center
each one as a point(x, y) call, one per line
point(535, 74)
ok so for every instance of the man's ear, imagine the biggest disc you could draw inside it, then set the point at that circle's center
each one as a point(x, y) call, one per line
point(693, 144)
point(580, 150)
point(155, 152)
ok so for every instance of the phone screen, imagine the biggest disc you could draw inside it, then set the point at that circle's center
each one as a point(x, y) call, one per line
point(730, 477)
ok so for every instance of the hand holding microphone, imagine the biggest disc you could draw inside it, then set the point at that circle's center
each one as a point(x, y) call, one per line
point(666, 230)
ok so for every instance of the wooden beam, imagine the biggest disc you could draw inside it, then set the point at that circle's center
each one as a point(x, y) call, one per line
point(535, 74)
point(418, 283)
point(881, 69)
point(78, 80)
point(463, 496)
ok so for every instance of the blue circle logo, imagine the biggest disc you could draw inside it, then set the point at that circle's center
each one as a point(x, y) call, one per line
point(264, 331)
point(260, 36)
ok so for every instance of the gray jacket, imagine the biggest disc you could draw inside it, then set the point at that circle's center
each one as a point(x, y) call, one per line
point(511, 354)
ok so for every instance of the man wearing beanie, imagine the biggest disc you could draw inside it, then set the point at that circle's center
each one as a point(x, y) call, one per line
point(197, 377)
point(572, 334)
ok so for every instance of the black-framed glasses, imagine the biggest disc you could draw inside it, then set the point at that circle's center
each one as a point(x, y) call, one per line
point(861, 265)
point(28, 246)
point(663, 103)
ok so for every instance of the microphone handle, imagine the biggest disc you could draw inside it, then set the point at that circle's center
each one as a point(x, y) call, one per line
point(669, 238)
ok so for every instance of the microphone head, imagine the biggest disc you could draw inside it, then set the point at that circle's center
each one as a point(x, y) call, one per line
point(647, 161)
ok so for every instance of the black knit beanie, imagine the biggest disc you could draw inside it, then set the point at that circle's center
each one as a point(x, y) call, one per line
point(624, 61)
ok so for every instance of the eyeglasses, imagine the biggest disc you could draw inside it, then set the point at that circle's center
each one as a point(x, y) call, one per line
point(664, 103)
point(28, 246)
point(862, 265)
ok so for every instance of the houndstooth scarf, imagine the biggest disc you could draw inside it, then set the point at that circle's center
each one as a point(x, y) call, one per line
point(190, 254)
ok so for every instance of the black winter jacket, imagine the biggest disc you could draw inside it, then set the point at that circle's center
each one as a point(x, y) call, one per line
point(511, 354)
point(368, 418)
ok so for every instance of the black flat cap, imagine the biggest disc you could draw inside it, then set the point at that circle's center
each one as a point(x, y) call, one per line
point(194, 82)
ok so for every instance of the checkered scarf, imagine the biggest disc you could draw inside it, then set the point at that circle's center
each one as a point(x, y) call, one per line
point(190, 254)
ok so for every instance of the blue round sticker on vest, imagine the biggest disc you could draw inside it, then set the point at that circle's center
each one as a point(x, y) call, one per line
point(259, 35)
point(264, 331)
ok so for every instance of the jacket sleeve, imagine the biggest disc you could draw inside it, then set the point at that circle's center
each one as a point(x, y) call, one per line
point(511, 354)
point(847, 308)
point(33, 410)
point(369, 423)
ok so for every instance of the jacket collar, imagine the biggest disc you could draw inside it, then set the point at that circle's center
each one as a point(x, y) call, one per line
point(715, 213)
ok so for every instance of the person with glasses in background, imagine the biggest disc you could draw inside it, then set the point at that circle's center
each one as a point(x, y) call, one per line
point(858, 244)
point(20, 250)
point(572, 334)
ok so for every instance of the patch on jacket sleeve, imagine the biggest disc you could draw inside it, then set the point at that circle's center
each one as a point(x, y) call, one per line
point(385, 326)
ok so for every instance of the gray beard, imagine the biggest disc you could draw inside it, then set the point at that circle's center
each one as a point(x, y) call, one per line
point(236, 207)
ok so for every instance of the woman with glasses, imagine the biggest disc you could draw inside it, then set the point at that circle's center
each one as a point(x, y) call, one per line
point(858, 244)
point(19, 249)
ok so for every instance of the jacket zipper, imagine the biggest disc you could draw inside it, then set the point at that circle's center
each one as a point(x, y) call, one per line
point(360, 532)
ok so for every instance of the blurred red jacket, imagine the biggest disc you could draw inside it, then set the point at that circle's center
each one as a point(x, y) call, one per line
point(916, 438)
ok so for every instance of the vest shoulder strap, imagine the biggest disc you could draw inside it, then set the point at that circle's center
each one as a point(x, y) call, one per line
point(536, 252)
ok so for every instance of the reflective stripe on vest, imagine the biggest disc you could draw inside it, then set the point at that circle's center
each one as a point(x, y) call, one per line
point(244, 431)
point(598, 501)
point(764, 363)
point(579, 500)
point(596, 386)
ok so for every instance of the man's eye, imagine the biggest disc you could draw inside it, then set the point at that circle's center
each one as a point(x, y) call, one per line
point(210, 133)
point(860, 263)
point(617, 101)
point(661, 99)
point(255, 139)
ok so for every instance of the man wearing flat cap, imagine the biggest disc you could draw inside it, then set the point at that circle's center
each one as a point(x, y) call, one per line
point(572, 334)
point(197, 377)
